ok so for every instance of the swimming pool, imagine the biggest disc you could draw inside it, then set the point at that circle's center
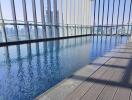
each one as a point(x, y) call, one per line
point(28, 70)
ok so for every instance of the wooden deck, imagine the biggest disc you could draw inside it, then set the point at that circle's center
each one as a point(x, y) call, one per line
point(113, 81)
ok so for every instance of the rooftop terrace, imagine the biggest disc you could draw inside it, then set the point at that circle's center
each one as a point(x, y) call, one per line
point(66, 49)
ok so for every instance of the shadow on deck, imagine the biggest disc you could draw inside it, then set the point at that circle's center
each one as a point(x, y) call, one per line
point(113, 81)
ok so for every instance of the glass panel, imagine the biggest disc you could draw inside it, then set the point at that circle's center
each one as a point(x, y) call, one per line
point(11, 34)
point(78, 30)
point(40, 32)
point(6, 7)
point(0, 35)
point(121, 11)
point(38, 10)
point(29, 10)
point(19, 10)
point(22, 32)
point(60, 31)
point(32, 32)
point(69, 30)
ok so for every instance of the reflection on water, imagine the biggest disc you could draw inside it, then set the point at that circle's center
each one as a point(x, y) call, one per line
point(30, 69)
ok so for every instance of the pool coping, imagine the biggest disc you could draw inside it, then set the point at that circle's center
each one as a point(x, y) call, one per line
point(69, 84)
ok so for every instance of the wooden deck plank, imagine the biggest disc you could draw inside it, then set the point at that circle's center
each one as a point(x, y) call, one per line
point(116, 77)
point(122, 94)
point(131, 89)
point(83, 88)
point(118, 64)
point(130, 95)
point(95, 90)
point(109, 91)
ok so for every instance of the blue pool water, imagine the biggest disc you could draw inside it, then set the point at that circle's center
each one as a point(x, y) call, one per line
point(28, 70)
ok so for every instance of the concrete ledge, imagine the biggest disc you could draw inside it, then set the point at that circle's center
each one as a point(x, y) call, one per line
point(68, 85)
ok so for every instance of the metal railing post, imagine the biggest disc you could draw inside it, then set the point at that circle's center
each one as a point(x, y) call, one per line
point(75, 30)
point(81, 29)
point(67, 29)
point(86, 30)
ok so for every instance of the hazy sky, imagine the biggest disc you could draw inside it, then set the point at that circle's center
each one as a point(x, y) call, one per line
point(6, 7)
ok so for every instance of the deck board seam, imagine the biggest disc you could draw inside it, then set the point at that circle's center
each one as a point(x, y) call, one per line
point(115, 94)
point(130, 97)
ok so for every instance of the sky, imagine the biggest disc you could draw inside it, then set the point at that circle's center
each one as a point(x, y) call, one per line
point(7, 14)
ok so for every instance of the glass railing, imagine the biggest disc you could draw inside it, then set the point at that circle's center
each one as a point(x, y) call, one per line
point(22, 32)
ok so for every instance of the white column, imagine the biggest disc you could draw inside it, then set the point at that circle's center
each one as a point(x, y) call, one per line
point(75, 5)
point(68, 11)
point(65, 4)
point(60, 12)
point(61, 15)
point(55, 12)
point(56, 31)
point(78, 12)
point(49, 12)
point(49, 18)
point(89, 11)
